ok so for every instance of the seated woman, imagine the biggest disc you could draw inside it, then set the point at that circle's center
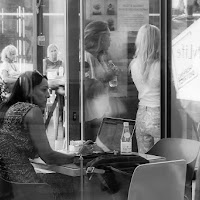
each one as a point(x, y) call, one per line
point(9, 71)
point(23, 135)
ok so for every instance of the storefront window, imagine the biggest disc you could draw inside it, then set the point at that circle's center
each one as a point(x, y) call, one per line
point(185, 69)
point(16, 28)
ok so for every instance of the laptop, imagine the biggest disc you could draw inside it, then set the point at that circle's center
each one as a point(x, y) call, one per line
point(109, 134)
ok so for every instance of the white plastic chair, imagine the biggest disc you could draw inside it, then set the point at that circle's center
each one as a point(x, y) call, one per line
point(156, 181)
point(176, 149)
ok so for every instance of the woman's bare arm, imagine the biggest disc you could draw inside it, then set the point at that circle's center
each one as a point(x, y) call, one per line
point(34, 122)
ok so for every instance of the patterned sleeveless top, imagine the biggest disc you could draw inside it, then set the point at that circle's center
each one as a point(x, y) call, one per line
point(53, 65)
point(52, 68)
point(16, 146)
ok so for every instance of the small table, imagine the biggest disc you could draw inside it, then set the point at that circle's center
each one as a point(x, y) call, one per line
point(68, 169)
point(87, 186)
point(74, 170)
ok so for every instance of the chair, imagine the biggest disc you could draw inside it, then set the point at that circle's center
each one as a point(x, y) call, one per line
point(156, 181)
point(178, 148)
point(24, 191)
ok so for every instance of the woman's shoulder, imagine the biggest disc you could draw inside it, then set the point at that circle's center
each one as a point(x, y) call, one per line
point(134, 64)
point(90, 59)
point(23, 106)
point(34, 111)
point(88, 56)
point(5, 65)
point(34, 116)
point(20, 109)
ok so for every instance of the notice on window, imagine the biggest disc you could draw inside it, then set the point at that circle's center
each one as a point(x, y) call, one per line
point(132, 14)
point(184, 70)
point(186, 63)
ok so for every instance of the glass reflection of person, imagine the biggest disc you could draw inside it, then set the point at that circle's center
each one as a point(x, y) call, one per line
point(9, 71)
point(23, 135)
point(99, 73)
point(145, 71)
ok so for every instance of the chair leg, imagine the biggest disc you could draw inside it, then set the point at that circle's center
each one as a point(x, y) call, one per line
point(56, 122)
point(63, 122)
point(188, 192)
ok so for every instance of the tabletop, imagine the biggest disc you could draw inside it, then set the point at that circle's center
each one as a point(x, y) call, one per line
point(74, 170)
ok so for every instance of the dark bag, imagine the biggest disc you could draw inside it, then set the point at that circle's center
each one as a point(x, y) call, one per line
point(110, 163)
point(126, 163)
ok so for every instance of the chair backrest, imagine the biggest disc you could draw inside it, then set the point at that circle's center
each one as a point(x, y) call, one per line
point(156, 181)
point(25, 191)
point(178, 148)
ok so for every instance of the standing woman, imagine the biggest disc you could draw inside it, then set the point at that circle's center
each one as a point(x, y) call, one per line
point(98, 74)
point(53, 67)
point(145, 71)
point(9, 71)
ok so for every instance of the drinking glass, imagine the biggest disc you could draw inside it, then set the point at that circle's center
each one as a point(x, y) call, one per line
point(114, 81)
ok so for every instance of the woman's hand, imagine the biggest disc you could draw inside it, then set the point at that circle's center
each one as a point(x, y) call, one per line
point(90, 147)
point(86, 149)
point(113, 67)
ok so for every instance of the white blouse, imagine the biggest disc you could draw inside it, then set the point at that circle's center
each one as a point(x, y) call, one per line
point(149, 91)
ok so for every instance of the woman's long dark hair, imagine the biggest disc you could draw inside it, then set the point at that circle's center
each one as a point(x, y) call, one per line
point(21, 91)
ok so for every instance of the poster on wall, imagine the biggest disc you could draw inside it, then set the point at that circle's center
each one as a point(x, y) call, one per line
point(105, 11)
point(132, 14)
point(186, 63)
point(126, 15)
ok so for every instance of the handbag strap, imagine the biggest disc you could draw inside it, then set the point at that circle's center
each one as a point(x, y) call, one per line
point(119, 171)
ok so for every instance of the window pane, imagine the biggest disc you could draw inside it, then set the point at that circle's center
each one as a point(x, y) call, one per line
point(124, 19)
point(185, 69)
point(16, 28)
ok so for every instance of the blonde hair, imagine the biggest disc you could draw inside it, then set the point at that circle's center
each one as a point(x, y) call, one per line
point(93, 34)
point(5, 54)
point(147, 48)
point(50, 47)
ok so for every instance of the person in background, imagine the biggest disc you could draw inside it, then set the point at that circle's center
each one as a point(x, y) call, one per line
point(145, 72)
point(23, 136)
point(9, 71)
point(97, 75)
point(53, 67)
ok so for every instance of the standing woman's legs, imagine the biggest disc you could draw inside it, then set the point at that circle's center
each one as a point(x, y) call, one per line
point(147, 127)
